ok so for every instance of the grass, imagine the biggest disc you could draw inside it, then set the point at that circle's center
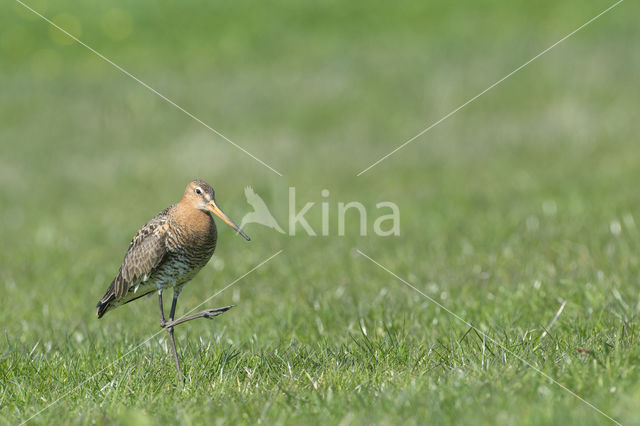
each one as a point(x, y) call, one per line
point(522, 201)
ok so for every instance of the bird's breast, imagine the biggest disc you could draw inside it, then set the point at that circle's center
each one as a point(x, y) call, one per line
point(192, 237)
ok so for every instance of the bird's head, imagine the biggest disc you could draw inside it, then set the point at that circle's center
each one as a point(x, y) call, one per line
point(200, 195)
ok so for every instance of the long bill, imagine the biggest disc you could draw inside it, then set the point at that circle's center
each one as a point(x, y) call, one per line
point(213, 208)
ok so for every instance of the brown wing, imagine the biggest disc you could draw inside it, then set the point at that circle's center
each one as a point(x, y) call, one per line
point(146, 252)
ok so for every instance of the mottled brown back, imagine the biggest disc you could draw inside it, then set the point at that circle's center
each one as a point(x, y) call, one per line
point(146, 252)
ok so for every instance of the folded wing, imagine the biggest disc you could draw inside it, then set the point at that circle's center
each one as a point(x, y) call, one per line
point(146, 253)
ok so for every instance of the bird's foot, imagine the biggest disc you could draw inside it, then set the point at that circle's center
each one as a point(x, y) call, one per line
point(207, 313)
point(214, 312)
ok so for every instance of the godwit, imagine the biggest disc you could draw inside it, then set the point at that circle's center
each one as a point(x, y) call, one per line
point(168, 252)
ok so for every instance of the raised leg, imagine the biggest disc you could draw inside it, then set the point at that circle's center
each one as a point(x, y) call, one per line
point(169, 325)
point(207, 313)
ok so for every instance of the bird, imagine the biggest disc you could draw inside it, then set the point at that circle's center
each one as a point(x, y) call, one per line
point(168, 252)
point(260, 213)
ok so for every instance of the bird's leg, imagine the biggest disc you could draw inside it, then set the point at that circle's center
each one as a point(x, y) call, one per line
point(207, 313)
point(169, 326)
point(176, 293)
point(162, 320)
point(163, 324)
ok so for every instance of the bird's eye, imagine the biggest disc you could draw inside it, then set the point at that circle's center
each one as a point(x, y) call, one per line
point(198, 191)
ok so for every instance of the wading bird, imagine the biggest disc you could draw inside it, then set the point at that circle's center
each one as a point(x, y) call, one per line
point(168, 252)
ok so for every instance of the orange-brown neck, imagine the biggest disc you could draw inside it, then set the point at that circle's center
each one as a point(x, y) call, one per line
point(194, 222)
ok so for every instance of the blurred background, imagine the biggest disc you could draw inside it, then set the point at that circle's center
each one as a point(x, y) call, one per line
point(522, 200)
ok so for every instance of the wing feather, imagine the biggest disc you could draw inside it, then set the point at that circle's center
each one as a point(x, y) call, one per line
point(146, 253)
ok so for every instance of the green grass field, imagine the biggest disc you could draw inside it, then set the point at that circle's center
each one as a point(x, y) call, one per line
point(519, 203)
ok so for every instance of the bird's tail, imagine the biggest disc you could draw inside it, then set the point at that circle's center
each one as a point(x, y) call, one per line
point(104, 303)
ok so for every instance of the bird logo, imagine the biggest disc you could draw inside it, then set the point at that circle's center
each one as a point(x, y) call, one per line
point(260, 214)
